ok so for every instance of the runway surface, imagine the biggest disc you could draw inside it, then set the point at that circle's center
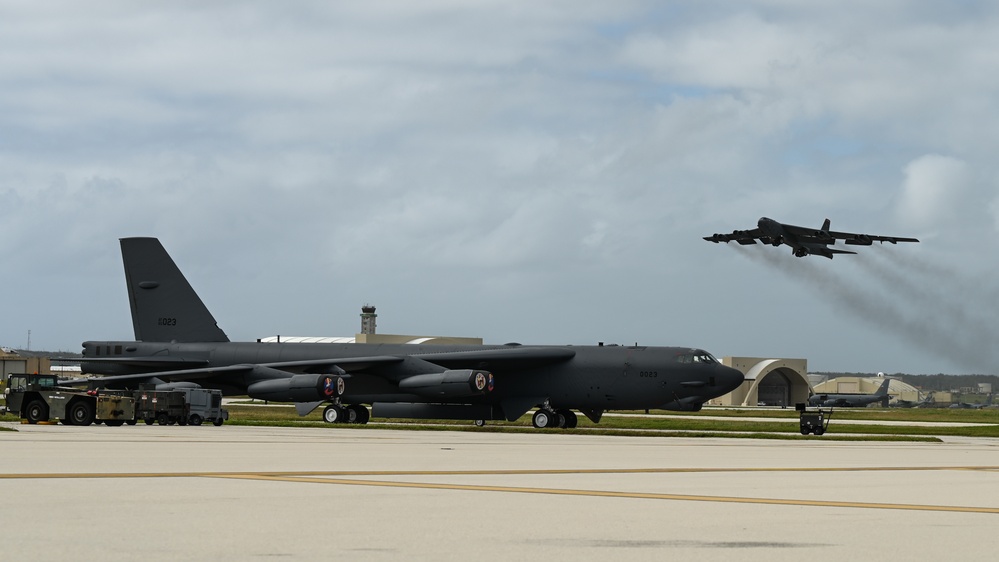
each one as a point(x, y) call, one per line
point(159, 493)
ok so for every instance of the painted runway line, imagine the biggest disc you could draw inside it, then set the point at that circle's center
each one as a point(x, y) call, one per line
point(340, 478)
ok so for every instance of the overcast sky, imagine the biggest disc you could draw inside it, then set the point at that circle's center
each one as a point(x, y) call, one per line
point(538, 172)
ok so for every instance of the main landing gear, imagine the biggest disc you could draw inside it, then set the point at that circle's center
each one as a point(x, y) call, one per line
point(338, 413)
point(547, 418)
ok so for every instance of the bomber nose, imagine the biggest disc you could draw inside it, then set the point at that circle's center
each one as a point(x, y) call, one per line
point(729, 379)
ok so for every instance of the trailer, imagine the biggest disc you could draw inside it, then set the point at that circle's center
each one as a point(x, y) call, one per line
point(39, 398)
point(165, 407)
point(183, 406)
point(205, 405)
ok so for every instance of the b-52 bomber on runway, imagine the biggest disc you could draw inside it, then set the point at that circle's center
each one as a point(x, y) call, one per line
point(178, 343)
point(802, 240)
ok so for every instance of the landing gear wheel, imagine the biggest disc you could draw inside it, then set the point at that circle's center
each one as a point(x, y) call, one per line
point(333, 414)
point(81, 413)
point(358, 414)
point(543, 419)
point(570, 419)
point(480, 423)
point(36, 411)
point(350, 415)
point(195, 419)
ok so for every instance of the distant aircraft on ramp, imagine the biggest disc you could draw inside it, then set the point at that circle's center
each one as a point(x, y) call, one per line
point(913, 403)
point(851, 400)
point(802, 240)
point(178, 343)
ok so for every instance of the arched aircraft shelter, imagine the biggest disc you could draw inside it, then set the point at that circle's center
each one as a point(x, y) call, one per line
point(769, 382)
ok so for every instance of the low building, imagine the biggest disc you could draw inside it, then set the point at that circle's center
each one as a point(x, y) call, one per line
point(11, 362)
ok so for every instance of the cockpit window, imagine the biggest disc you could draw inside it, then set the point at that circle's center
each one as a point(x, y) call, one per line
point(696, 357)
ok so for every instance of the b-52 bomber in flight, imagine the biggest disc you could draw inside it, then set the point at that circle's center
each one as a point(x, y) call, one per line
point(802, 240)
point(179, 344)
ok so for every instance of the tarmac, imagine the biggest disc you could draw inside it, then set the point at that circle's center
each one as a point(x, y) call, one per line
point(249, 493)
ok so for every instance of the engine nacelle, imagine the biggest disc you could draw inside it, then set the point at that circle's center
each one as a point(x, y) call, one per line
point(294, 388)
point(823, 236)
point(449, 384)
point(861, 240)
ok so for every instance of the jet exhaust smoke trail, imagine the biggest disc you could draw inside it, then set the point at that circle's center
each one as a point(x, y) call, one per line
point(965, 305)
point(883, 310)
point(936, 298)
point(945, 276)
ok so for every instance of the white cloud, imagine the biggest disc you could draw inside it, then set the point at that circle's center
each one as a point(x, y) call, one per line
point(935, 190)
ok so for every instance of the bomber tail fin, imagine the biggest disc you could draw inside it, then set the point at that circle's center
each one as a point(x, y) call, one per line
point(164, 305)
point(883, 389)
point(825, 226)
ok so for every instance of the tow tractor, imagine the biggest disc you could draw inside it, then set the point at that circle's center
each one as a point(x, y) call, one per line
point(813, 421)
point(39, 398)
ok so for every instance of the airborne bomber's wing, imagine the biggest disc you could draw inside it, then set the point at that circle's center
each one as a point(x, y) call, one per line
point(744, 237)
point(830, 236)
point(811, 235)
point(866, 239)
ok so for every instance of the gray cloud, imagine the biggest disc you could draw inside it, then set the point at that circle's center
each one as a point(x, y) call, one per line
point(517, 171)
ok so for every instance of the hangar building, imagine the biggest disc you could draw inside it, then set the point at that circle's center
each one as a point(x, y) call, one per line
point(769, 382)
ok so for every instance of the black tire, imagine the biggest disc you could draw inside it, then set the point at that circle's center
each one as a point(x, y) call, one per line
point(148, 421)
point(162, 418)
point(195, 419)
point(350, 415)
point(819, 431)
point(571, 421)
point(217, 422)
point(480, 423)
point(131, 422)
point(357, 413)
point(114, 423)
point(81, 412)
point(36, 411)
point(542, 419)
point(804, 432)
